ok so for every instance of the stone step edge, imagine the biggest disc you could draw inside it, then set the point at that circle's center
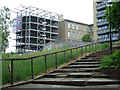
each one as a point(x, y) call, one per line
point(80, 83)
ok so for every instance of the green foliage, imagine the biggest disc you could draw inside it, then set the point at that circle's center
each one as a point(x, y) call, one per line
point(86, 38)
point(5, 23)
point(115, 15)
point(28, 55)
point(5, 55)
point(0, 73)
point(8, 55)
point(104, 46)
point(111, 61)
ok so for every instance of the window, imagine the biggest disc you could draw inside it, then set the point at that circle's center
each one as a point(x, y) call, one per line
point(84, 28)
point(92, 28)
point(73, 35)
point(105, 35)
point(106, 27)
point(116, 34)
point(100, 20)
point(88, 29)
point(99, 28)
point(68, 25)
point(102, 28)
point(73, 26)
point(77, 35)
point(68, 34)
point(77, 27)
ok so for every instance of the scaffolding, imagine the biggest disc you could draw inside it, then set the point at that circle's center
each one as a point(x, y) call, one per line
point(38, 27)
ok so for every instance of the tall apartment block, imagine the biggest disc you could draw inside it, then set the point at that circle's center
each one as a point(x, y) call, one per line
point(34, 28)
point(73, 31)
point(101, 28)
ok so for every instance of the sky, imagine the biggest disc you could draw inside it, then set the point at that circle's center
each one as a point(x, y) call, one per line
point(76, 10)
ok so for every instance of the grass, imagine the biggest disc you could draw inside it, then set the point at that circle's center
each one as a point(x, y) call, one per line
point(22, 68)
point(0, 73)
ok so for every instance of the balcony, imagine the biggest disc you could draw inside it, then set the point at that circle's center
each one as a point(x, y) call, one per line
point(100, 15)
point(114, 38)
point(107, 30)
point(99, 7)
point(103, 31)
point(102, 23)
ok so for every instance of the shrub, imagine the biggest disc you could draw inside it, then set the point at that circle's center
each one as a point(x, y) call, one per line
point(111, 61)
point(5, 55)
point(104, 46)
point(86, 38)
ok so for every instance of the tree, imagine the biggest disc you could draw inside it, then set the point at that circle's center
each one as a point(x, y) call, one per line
point(4, 26)
point(86, 38)
point(115, 15)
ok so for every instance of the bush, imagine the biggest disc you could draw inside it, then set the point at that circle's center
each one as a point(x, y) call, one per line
point(5, 55)
point(111, 61)
point(86, 38)
point(104, 46)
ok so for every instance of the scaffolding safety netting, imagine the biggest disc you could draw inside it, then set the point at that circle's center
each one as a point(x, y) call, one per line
point(17, 24)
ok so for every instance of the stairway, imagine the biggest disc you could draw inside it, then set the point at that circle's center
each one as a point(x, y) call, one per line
point(82, 72)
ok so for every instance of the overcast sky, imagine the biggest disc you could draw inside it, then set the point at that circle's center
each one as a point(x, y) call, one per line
point(76, 10)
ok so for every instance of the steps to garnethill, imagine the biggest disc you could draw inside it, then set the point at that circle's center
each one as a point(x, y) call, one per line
point(80, 73)
point(83, 72)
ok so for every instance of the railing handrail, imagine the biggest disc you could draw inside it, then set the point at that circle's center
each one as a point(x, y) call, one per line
point(45, 55)
point(14, 59)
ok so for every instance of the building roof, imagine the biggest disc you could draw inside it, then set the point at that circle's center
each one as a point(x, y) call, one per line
point(77, 22)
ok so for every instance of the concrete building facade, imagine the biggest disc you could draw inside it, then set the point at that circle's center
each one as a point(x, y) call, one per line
point(101, 27)
point(73, 31)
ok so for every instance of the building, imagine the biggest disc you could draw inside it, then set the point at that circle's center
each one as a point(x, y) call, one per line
point(34, 28)
point(101, 28)
point(73, 31)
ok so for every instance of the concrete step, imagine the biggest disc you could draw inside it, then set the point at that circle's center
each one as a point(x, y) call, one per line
point(76, 74)
point(60, 81)
point(86, 60)
point(56, 75)
point(70, 70)
point(100, 75)
point(76, 81)
point(97, 54)
point(83, 66)
point(82, 63)
point(90, 58)
point(70, 75)
point(80, 69)
point(102, 81)
point(80, 75)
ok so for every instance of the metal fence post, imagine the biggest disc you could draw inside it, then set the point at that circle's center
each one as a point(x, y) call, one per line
point(98, 45)
point(45, 64)
point(64, 56)
point(77, 51)
point(32, 67)
point(89, 48)
point(95, 47)
point(85, 49)
point(108, 44)
point(71, 54)
point(11, 72)
point(56, 59)
point(81, 51)
point(92, 47)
